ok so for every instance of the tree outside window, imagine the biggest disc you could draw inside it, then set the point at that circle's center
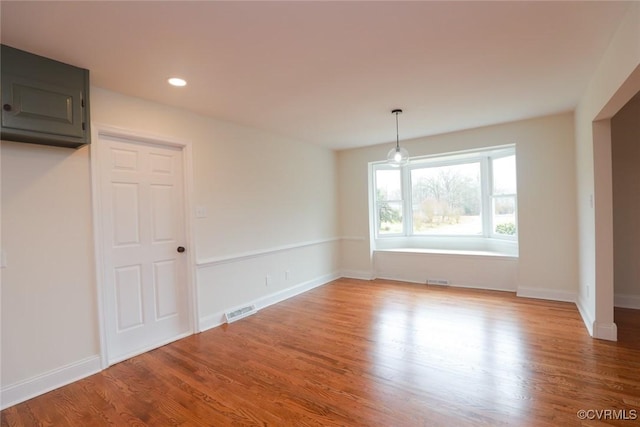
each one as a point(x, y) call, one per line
point(470, 194)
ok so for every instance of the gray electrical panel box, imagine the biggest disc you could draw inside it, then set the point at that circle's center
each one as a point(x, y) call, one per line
point(43, 101)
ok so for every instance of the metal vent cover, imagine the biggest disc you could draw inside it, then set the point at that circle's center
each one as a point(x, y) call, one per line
point(239, 313)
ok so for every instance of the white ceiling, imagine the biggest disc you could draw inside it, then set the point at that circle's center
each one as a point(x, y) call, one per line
point(331, 72)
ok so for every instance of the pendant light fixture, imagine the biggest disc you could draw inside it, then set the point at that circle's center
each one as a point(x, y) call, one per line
point(397, 156)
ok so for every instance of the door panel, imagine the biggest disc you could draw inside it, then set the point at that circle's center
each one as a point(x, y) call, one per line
point(165, 276)
point(163, 215)
point(128, 289)
point(126, 160)
point(145, 287)
point(161, 164)
point(125, 214)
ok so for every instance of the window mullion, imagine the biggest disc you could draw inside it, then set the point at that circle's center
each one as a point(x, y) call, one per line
point(407, 208)
point(487, 196)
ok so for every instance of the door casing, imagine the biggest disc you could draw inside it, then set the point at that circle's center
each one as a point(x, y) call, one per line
point(102, 130)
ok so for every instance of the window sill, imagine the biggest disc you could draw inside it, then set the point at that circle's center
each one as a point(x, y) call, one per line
point(496, 255)
point(442, 245)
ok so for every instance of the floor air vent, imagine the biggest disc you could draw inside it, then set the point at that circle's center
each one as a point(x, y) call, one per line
point(238, 314)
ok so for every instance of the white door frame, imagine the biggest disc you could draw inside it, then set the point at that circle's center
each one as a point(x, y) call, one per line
point(97, 131)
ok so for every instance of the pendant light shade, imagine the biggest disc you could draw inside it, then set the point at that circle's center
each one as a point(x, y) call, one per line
point(397, 156)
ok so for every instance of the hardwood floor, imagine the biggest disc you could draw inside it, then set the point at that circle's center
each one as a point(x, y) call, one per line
point(357, 353)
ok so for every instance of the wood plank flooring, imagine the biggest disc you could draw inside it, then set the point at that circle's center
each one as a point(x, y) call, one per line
point(357, 353)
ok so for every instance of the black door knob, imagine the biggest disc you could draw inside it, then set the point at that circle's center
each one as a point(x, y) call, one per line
point(6, 107)
point(181, 249)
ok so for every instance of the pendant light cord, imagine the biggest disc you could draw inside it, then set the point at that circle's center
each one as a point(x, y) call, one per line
point(397, 156)
point(397, 133)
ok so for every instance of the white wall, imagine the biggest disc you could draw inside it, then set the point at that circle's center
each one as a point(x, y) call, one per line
point(48, 288)
point(625, 154)
point(615, 81)
point(271, 208)
point(547, 265)
point(267, 216)
point(265, 196)
point(469, 271)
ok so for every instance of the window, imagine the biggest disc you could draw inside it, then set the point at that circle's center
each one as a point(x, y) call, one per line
point(389, 201)
point(503, 195)
point(448, 198)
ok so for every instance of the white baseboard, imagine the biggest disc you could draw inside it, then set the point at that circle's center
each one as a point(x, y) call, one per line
point(43, 383)
point(357, 274)
point(586, 315)
point(605, 331)
point(284, 294)
point(626, 301)
point(548, 294)
point(211, 321)
point(506, 288)
point(484, 288)
point(217, 319)
point(157, 344)
point(383, 276)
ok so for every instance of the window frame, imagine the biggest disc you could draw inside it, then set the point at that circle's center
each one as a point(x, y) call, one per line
point(409, 238)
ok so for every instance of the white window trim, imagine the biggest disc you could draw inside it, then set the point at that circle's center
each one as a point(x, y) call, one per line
point(489, 241)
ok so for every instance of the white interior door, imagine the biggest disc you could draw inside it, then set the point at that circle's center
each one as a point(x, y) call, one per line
point(145, 290)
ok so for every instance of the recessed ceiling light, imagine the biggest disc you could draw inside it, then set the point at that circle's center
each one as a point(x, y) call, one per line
point(175, 81)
